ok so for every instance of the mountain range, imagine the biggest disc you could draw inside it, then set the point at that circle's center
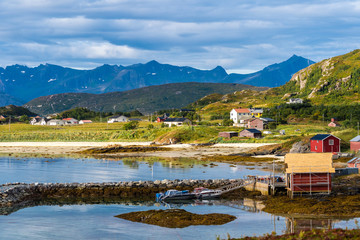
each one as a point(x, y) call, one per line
point(22, 83)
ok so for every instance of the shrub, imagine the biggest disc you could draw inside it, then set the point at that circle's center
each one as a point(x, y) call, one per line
point(131, 125)
point(227, 122)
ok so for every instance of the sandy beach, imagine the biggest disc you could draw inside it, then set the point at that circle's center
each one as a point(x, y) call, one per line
point(175, 150)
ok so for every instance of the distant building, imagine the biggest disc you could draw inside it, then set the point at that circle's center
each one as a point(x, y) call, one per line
point(237, 113)
point(70, 121)
point(55, 122)
point(256, 112)
point(250, 133)
point(354, 163)
point(228, 134)
point(256, 123)
point(38, 121)
point(355, 144)
point(117, 119)
point(334, 123)
point(161, 119)
point(85, 121)
point(295, 101)
point(324, 143)
point(176, 121)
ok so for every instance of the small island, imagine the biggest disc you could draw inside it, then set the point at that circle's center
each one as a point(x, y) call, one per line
point(176, 218)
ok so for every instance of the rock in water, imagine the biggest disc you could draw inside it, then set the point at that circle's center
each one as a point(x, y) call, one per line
point(176, 218)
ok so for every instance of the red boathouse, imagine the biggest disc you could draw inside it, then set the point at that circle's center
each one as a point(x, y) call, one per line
point(324, 143)
point(308, 173)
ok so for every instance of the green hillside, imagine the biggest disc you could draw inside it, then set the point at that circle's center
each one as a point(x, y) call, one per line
point(146, 100)
point(332, 81)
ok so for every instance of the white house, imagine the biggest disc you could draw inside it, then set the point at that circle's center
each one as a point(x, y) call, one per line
point(85, 121)
point(70, 121)
point(295, 101)
point(118, 119)
point(176, 121)
point(38, 121)
point(238, 113)
point(55, 122)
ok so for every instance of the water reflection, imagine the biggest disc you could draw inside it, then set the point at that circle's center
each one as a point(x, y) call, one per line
point(296, 225)
point(124, 169)
point(96, 218)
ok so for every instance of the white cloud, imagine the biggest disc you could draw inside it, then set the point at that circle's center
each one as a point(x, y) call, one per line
point(81, 49)
point(235, 34)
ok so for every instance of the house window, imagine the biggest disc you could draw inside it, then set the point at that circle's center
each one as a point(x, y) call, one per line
point(315, 147)
point(317, 141)
point(331, 142)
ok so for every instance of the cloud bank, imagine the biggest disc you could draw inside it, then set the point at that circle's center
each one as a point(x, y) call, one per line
point(242, 35)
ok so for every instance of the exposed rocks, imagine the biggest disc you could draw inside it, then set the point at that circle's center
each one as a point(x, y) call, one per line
point(300, 147)
point(176, 218)
point(15, 193)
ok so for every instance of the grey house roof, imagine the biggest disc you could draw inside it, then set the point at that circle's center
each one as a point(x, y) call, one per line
point(252, 130)
point(355, 139)
point(176, 120)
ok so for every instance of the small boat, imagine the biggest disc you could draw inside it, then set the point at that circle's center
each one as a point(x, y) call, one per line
point(205, 193)
point(171, 195)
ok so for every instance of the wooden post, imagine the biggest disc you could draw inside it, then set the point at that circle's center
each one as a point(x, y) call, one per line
point(310, 181)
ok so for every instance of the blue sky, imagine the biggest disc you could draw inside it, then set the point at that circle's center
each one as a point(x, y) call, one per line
point(240, 35)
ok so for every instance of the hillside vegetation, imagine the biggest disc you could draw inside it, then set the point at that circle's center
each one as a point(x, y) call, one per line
point(332, 81)
point(146, 100)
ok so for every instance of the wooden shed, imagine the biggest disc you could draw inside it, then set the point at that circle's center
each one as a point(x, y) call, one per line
point(228, 134)
point(308, 173)
point(251, 133)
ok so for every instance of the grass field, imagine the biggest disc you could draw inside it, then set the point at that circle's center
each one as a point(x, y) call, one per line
point(87, 132)
point(113, 132)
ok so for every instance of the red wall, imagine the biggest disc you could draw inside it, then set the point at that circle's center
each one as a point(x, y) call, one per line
point(314, 144)
point(319, 182)
point(257, 124)
point(355, 146)
point(323, 145)
point(249, 134)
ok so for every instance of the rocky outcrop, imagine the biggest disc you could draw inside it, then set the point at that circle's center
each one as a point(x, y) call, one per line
point(300, 147)
point(16, 193)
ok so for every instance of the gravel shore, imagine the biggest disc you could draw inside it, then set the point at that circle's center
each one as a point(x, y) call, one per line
point(177, 150)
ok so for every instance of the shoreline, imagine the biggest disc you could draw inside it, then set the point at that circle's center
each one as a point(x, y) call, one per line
point(175, 150)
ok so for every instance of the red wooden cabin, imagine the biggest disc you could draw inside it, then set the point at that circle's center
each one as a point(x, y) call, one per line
point(324, 143)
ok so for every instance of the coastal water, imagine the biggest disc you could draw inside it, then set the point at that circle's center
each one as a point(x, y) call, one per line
point(128, 169)
point(97, 221)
